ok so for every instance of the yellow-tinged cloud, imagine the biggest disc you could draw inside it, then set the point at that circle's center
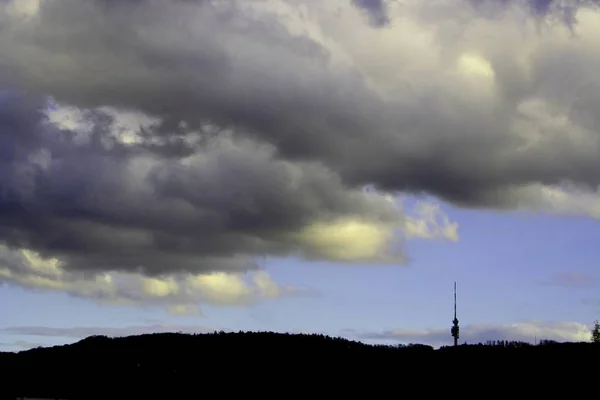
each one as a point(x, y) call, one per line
point(221, 288)
point(475, 65)
point(266, 285)
point(159, 287)
point(349, 239)
point(49, 266)
point(177, 293)
point(353, 239)
point(23, 8)
point(478, 73)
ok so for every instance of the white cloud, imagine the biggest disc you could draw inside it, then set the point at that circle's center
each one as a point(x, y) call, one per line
point(428, 221)
point(475, 333)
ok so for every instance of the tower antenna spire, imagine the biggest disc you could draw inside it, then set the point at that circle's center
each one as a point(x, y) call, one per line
point(454, 300)
point(455, 331)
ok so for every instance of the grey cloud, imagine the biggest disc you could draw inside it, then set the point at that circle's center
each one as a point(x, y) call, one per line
point(252, 74)
point(556, 10)
point(97, 203)
point(574, 280)
point(564, 11)
point(592, 302)
point(375, 9)
point(271, 120)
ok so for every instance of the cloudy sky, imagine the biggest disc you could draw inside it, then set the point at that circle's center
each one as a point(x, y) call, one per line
point(299, 165)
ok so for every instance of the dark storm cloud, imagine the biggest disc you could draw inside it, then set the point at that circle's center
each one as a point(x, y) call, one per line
point(237, 67)
point(272, 119)
point(98, 203)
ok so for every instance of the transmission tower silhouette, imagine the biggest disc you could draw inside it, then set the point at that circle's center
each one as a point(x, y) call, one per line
point(455, 331)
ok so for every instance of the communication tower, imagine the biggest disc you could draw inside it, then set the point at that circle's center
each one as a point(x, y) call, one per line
point(455, 331)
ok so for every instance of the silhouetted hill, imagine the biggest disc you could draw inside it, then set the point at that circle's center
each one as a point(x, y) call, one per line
point(102, 367)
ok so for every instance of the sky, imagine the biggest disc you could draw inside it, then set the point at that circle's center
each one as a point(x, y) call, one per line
point(299, 166)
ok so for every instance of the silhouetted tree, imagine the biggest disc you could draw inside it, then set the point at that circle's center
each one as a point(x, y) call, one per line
point(183, 362)
point(596, 332)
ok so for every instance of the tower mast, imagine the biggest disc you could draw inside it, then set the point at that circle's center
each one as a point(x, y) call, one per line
point(455, 329)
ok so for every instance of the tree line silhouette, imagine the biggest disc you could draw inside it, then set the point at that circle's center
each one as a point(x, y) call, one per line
point(175, 363)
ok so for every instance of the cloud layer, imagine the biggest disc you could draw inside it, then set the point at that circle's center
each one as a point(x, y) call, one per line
point(523, 331)
point(169, 139)
point(453, 107)
point(480, 333)
point(83, 332)
point(574, 280)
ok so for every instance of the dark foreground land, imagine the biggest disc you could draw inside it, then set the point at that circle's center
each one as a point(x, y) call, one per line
point(271, 365)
